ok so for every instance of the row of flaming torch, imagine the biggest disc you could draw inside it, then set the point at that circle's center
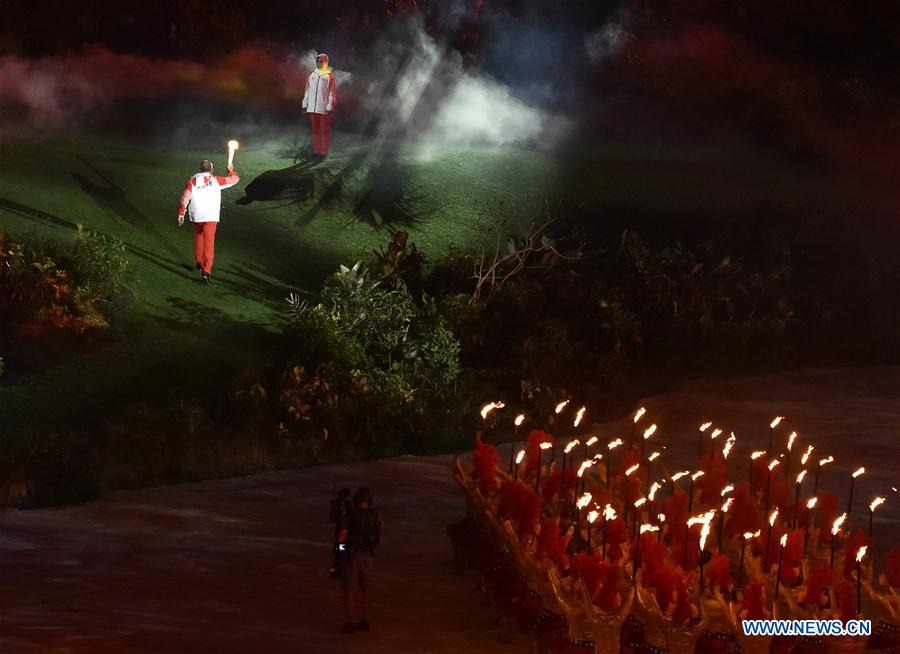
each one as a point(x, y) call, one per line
point(583, 501)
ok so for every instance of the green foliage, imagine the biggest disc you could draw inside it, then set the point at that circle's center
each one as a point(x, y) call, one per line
point(98, 264)
point(366, 351)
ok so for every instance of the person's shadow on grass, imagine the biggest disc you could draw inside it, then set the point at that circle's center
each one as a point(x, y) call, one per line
point(113, 199)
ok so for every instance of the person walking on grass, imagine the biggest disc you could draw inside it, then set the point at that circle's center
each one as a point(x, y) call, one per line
point(319, 101)
point(202, 199)
point(360, 533)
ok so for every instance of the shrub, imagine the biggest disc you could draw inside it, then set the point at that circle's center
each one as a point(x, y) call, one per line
point(368, 359)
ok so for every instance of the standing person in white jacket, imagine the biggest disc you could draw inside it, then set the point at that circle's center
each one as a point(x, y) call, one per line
point(203, 195)
point(319, 101)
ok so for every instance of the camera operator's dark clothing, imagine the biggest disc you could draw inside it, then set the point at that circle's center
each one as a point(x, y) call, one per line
point(363, 529)
point(356, 566)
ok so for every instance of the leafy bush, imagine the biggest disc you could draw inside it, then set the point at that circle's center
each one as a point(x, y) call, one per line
point(48, 291)
point(369, 359)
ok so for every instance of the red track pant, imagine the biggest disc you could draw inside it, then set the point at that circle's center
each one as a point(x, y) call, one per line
point(321, 133)
point(205, 244)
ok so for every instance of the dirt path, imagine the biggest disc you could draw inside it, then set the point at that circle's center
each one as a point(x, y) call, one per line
point(240, 565)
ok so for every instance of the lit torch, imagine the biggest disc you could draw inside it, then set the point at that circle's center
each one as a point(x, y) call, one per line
point(232, 146)
point(856, 473)
point(878, 501)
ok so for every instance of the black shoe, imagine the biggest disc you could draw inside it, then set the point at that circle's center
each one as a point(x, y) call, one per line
point(205, 277)
point(348, 628)
point(363, 626)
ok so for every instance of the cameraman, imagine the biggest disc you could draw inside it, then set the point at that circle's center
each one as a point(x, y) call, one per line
point(359, 532)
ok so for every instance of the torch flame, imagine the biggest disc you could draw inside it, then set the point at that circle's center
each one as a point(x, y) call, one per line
point(592, 516)
point(806, 455)
point(233, 145)
point(639, 414)
point(811, 502)
point(590, 442)
point(715, 434)
point(561, 406)
point(520, 456)
point(585, 465)
point(649, 431)
point(520, 419)
point(801, 476)
point(772, 517)
point(726, 449)
point(757, 454)
point(697, 475)
point(776, 422)
point(822, 462)
point(705, 426)
point(791, 440)
point(749, 534)
point(836, 527)
point(583, 501)
point(639, 502)
point(579, 416)
point(614, 444)
point(546, 446)
point(490, 406)
point(726, 490)
point(653, 488)
point(783, 540)
point(861, 553)
point(631, 470)
point(858, 472)
point(661, 517)
point(609, 513)
point(571, 445)
point(648, 527)
point(727, 504)
point(679, 475)
point(772, 465)
point(876, 503)
point(653, 457)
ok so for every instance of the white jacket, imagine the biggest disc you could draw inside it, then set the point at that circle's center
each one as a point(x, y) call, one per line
point(203, 194)
point(320, 96)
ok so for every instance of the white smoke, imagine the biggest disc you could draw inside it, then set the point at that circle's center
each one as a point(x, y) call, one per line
point(437, 100)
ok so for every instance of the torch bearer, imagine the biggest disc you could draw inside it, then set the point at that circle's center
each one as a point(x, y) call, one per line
point(232, 146)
